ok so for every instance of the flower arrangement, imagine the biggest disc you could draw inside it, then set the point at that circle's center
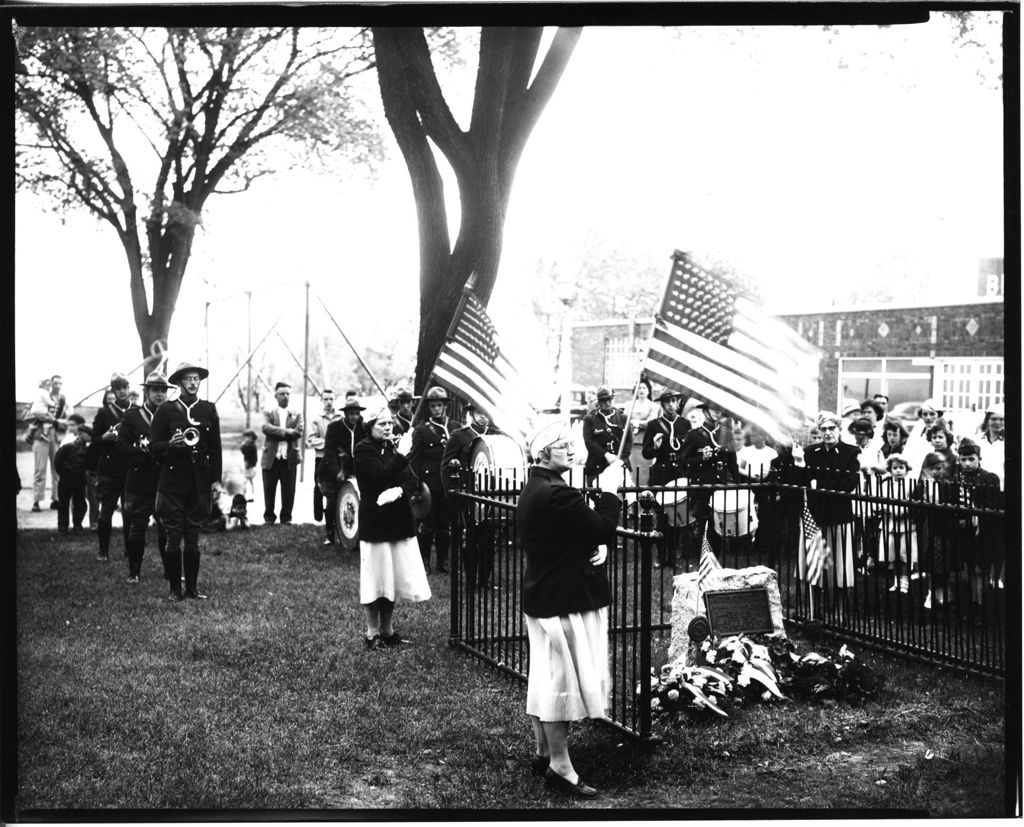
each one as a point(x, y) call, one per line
point(739, 670)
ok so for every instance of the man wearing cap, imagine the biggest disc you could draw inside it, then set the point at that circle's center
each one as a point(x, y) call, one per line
point(403, 412)
point(282, 431)
point(429, 440)
point(831, 465)
point(140, 483)
point(565, 599)
point(478, 556)
point(340, 441)
point(664, 437)
point(315, 440)
point(110, 468)
point(602, 434)
point(185, 441)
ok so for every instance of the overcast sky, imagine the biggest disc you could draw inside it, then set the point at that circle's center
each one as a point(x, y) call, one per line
point(807, 161)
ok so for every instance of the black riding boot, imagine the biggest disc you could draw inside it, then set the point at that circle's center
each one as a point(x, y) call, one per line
point(172, 567)
point(192, 574)
point(103, 531)
point(136, 548)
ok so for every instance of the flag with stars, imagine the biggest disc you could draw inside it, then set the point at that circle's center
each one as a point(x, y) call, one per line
point(472, 365)
point(712, 343)
point(708, 561)
point(816, 551)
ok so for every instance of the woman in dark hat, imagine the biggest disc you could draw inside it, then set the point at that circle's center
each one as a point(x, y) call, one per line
point(390, 566)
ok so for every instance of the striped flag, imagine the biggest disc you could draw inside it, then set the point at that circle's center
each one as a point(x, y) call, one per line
point(712, 343)
point(708, 561)
point(472, 365)
point(816, 551)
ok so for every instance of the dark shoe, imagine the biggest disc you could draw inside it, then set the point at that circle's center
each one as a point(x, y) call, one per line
point(76, 530)
point(539, 765)
point(577, 790)
point(375, 643)
point(35, 508)
point(393, 640)
point(442, 569)
point(328, 541)
point(61, 530)
point(175, 595)
point(286, 522)
point(54, 505)
point(195, 594)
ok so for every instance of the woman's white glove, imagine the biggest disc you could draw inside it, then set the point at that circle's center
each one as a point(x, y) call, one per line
point(389, 495)
point(599, 556)
point(404, 444)
point(610, 479)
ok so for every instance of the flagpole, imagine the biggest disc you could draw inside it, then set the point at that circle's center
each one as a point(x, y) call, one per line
point(467, 291)
point(359, 358)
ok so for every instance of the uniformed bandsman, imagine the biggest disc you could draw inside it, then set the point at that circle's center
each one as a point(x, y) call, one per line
point(140, 483)
point(429, 440)
point(185, 439)
point(340, 441)
point(404, 413)
point(110, 468)
point(602, 434)
point(663, 438)
point(479, 545)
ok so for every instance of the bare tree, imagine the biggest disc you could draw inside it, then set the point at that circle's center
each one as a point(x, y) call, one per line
point(506, 106)
point(141, 126)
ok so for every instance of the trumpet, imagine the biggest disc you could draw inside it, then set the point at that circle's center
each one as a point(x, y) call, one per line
point(142, 442)
point(191, 436)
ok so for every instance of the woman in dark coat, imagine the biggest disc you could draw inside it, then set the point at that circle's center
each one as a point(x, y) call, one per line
point(390, 566)
point(565, 601)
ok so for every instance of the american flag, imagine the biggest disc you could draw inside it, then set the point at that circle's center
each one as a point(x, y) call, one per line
point(712, 343)
point(472, 365)
point(708, 561)
point(816, 551)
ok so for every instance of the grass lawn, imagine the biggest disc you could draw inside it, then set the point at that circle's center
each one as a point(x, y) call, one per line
point(264, 697)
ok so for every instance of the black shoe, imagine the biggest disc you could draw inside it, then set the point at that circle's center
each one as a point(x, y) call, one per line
point(76, 530)
point(53, 505)
point(393, 640)
point(442, 569)
point(195, 594)
point(539, 765)
point(175, 596)
point(375, 643)
point(286, 522)
point(579, 790)
point(61, 530)
point(35, 508)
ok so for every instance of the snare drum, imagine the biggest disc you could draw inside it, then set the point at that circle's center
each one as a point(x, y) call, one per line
point(675, 504)
point(732, 512)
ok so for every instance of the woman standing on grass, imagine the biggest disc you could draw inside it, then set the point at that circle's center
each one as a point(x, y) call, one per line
point(565, 601)
point(390, 566)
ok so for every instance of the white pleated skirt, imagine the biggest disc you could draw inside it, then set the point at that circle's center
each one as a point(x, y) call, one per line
point(392, 570)
point(569, 676)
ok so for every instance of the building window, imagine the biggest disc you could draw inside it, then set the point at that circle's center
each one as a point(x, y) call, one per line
point(621, 366)
point(901, 379)
point(970, 384)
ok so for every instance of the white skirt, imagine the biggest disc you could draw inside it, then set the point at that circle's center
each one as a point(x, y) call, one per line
point(392, 570)
point(569, 676)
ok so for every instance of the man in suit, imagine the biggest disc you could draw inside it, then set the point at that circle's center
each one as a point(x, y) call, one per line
point(140, 484)
point(832, 465)
point(282, 431)
point(315, 440)
point(185, 441)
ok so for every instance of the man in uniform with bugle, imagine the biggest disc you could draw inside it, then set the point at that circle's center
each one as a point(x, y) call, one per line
point(185, 439)
point(110, 468)
point(140, 484)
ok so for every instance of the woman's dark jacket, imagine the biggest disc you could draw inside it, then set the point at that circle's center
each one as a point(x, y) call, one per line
point(379, 467)
point(835, 468)
point(559, 532)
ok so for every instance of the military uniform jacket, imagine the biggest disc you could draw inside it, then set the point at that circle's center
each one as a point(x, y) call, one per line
point(603, 434)
point(429, 440)
point(835, 468)
point(401, 425)
point(340, 446)
point(185, 470)
point(142, 468)
point(696, 467)
point(559, 532)
point(460, 447)
point(673, 433)
point(108, 463)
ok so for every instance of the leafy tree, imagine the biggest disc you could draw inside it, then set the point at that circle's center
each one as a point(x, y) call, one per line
point(507, 103)
point(141, 126)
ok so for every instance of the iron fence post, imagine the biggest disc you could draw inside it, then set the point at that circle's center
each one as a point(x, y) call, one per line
point(647, 539)
point(453, 474)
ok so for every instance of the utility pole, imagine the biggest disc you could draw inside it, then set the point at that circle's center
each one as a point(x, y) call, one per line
point(248, 377)
point(305, 393)
point(206, 329)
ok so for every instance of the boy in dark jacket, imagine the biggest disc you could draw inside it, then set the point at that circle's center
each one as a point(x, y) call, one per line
point(71, 463)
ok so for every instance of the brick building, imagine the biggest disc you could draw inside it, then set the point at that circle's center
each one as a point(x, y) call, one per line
point(953, 353)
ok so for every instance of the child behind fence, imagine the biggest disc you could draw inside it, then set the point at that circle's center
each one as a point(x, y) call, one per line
point(897, 542)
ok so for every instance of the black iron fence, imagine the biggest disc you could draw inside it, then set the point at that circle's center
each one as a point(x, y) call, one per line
point(916, 571)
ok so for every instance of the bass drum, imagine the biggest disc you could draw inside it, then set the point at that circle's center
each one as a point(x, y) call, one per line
point(501, 457)
point(347, 515)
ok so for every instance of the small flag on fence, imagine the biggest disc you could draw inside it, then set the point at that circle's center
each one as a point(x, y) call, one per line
point(708, 561)
point(712, 343)
point(816, 551)
point(472, 365)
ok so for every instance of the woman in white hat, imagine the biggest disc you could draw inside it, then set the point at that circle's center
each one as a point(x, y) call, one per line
point(565, 601)
point(991, 441)
point(390, 566)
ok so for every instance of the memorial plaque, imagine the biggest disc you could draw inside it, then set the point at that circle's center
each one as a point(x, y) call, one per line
point(739, 611)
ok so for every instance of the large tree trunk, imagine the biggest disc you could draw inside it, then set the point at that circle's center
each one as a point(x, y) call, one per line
point(505, 110)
